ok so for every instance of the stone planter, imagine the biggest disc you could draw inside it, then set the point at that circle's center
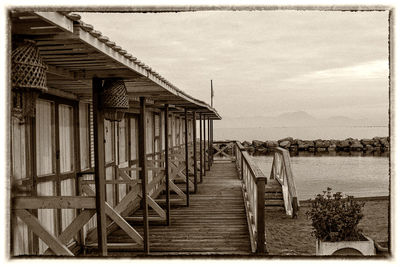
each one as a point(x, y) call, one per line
point(343, 248)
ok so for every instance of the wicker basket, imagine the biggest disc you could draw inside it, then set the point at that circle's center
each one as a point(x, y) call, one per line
point(115, 99)
point(28, 71)
point(28, 79)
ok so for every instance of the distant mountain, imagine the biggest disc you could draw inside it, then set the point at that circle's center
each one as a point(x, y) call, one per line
point(298, 115)
point(293, 119)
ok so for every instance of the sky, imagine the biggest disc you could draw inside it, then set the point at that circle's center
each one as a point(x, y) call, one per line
point(327, 63)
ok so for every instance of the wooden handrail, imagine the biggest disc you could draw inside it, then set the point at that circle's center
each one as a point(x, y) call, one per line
point(253, 188)
point(284, 175)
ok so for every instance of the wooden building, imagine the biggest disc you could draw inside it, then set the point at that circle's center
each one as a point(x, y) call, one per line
point(75, 176)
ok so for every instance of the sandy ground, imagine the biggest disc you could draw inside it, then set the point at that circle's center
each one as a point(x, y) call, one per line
point(286, 236)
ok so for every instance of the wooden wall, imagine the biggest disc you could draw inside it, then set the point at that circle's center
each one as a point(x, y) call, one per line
point(63, 151)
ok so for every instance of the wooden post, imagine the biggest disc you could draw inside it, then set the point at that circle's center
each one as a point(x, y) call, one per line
point(194, 151)
point(143, 172)
point(77, 155)
point(209, 144)
point(34, 245)
point(167, 200)
point(187, 158)
point(99, 165)
point(204, 144)
point(261, 214)
point(201, 150)
point(212, 141)
point(241, 165)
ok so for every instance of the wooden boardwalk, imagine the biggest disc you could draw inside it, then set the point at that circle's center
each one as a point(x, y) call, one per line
point(215, 223)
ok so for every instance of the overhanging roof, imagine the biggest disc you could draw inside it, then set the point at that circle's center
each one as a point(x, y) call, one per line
point(75, 53)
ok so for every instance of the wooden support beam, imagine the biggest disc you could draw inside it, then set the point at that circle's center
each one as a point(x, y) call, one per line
point(208, 145)
point(194, 152)
point(57, 19)
point(201, 149)
point(167, 197)
point(204, 145)
point(212, 141)
point(34, 224)
point(99, 165)
point(187, 158)
point(51, 202)
point(76, 225)
point(143, 172)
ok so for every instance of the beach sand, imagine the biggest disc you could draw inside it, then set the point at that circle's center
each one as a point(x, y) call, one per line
point(287, 236)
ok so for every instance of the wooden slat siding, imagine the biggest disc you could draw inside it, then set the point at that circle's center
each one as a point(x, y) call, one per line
point(201, 148)
point(194, 151)
point(166, 157)
point(20, 237)
point(187, 158)
point(214, 223)
point(45, 161)
point(143, 172)
point(99, 161)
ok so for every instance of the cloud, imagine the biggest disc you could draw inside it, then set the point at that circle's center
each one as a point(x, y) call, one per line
point(372, 70)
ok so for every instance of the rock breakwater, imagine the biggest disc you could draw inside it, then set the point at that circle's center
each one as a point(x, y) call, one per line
point(376, 144)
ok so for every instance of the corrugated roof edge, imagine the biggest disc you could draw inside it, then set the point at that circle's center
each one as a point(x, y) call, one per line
point(104, 39)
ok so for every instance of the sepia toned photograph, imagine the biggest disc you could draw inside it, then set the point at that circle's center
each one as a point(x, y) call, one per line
point(199, 132)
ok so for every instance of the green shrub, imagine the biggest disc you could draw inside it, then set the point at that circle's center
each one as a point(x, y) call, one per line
point(335, 218)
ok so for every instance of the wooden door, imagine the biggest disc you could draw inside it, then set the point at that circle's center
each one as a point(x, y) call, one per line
point(55, 159)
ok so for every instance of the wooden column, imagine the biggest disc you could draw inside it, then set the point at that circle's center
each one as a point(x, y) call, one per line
point(167, 199)
point(187, 158)
point(204, 145)
point(261, 214)
point(143, 172)
point(194, 152)
point(31, 161)
point(212, 141)
point(209, 144)
point(201, 150)
point(99, 165)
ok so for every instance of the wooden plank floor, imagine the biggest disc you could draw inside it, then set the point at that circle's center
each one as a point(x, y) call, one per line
point(215, 223)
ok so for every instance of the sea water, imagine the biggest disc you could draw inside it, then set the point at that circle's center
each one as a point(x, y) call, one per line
point(359, 176)
point(305, 133)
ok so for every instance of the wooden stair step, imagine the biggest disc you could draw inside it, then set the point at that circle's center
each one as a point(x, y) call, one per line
point(274, 202)
point(140, 219)
point(273, 195)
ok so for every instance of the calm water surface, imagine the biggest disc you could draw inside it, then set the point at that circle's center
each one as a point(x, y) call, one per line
point(306, 133)
point(357, 176)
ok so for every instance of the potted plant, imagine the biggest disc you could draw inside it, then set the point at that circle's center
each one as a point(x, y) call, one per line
point(335, 219)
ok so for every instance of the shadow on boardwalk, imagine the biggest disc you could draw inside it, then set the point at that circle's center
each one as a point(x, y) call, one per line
point(215, 222)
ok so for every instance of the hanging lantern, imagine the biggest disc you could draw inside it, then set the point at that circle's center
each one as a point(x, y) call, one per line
point(115, 99)
point(28, 79)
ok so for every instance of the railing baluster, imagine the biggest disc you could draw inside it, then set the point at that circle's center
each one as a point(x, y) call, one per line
point(254, 197)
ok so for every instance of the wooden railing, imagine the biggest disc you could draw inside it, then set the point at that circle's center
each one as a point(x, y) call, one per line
point(253, 188)
point(281, 171)
point(224, 150)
